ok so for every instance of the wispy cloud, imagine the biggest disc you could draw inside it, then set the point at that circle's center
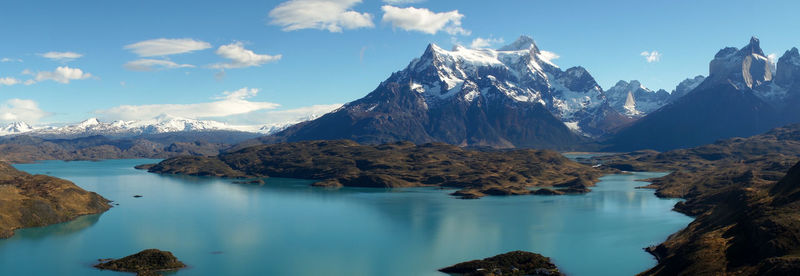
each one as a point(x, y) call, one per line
point(240, 57)
point(62, 74)
point(62, 56)
point(7, 59)
point(480, 42)
point(153, 65)
point(228, 104)
point(548, 56)
point(15, 110)
point(424, 20)
point(9, 81)
point(166, 46)
point(330, 15)
point(651, 57)
point(402, 2)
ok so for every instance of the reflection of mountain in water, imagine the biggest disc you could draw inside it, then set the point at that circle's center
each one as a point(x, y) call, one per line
point(61, 229)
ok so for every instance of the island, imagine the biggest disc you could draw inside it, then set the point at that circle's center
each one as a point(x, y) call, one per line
point(38, 200)
point(146, 262)
point(511, 263)
point(337, 163)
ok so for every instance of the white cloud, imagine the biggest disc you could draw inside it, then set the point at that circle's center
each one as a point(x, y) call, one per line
point(5, 59)
point(153, 64)
point(773, 61)
point(424, 20)
point(241, 57)
point(62, 74)
point(9, 81)
point(548, 56)
point(61, 56)
point(15, 110)
point(166, 46)
point(401, 2)
point(230, 103)
point(279, 117)
point(651, 57)
point(480, 42)
point(330, 15)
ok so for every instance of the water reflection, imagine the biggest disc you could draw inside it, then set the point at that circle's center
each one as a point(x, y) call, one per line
point(287, 227)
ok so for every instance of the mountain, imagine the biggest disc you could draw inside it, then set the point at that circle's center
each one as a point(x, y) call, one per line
point(738, 98)
point(514, 96)
point(634, 100)
point(15, 128)
point(685, 86)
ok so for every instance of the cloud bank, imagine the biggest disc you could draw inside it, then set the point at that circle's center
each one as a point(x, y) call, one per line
point(166, 46)
point(424, 20)
point(330, 15)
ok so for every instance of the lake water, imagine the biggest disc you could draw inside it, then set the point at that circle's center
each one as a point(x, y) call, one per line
point(288, 228)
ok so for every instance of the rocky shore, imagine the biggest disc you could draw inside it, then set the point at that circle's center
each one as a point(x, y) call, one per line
point(38, 200)
point(744, 193)
point(346, 163)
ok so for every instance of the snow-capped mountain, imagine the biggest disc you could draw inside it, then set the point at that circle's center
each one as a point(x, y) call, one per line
point(15, 128)
point(634, 100)
point(514, 96)
point(93, 126)
point(519, 72)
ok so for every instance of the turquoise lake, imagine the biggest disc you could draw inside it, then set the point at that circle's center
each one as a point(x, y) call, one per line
point(287, 227)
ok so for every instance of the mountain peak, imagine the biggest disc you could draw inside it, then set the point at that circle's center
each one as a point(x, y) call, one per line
point(524, 42)
point(89, 122)
point(754, 47)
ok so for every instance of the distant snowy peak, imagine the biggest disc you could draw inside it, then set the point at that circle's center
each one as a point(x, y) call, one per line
point(634, 99)
point(685, 86)
point(746, 67)
point(15, 128)
point(524, 42)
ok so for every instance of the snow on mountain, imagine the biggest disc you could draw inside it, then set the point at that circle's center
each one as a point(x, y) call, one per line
point(685, 86)
point(634, 100)
point(93, 126)
point(15, 128)
point(518, 72)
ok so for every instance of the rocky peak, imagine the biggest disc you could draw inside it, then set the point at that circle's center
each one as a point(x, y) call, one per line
point(746, 67)
point(788, 68)
point(754, 47)
point(686, 86)
point(524, 42)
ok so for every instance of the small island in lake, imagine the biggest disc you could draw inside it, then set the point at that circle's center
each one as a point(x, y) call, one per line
point(340, 163)
point(511, 263)
point(146, 262)
point(38, 200)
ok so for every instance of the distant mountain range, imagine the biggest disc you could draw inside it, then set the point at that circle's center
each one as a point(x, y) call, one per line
point(742, 96)
point(515, 96)
point(159, 125)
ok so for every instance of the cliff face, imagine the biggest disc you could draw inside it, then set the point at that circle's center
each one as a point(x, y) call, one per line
point(38, 200)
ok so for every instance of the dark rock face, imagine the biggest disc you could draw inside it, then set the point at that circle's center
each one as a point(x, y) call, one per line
point(708, 113)
point(402, 164)
point(146, 262)
point(511, 263)
point(788, 68)
point(38, 200)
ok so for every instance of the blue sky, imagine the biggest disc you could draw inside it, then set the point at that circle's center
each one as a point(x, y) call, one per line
point(293, 55)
